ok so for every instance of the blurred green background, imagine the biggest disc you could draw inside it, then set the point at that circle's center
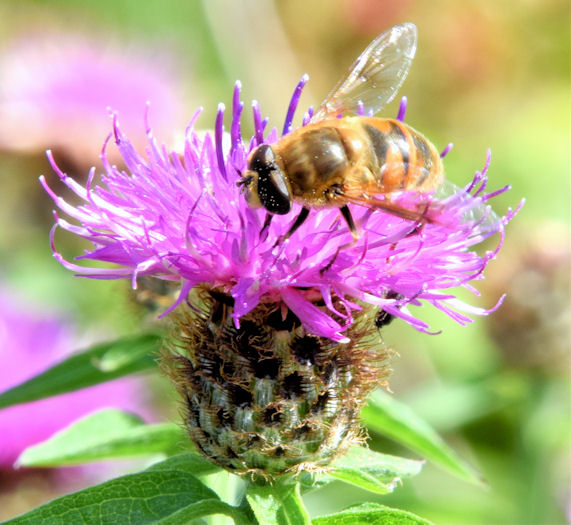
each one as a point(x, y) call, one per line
point(487, 74)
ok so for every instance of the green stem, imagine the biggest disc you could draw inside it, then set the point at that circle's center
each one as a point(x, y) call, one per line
point(277, 504)
point(294, 510)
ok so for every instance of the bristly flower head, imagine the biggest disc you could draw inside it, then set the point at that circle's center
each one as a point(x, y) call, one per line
point(181, 217)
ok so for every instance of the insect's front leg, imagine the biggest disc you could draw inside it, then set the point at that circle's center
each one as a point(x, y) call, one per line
point(300, 219)
point(265, 227)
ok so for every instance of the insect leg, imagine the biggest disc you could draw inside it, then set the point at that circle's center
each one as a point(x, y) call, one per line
point(265, 227)
point(330, 263)
point(383, 317)
point(419, 226)
point(349, 220)
point(297, 223)
point(352, 228)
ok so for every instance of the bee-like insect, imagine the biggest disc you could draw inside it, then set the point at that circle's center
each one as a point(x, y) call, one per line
point(334, 161)
point(385, 318)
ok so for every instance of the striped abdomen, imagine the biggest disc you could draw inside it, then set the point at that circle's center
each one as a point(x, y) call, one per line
point(401, 157)
point(357, 155)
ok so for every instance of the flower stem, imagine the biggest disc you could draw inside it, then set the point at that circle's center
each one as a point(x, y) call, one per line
point(280, 504)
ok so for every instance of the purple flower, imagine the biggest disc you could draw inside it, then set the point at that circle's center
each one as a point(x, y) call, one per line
point(31, 341)
point(181, 217)
point(55, 92)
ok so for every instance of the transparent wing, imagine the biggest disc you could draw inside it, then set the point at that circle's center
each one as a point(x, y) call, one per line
point(375, 77)
point(448, 206)
point(474, 211)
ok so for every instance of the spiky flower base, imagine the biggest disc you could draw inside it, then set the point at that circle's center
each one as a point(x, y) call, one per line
point(269, 398)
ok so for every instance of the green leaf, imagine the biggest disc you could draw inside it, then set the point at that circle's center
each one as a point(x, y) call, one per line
point(277, 505)
point(373, 471)
point(146, 497)
point(205, 508)
point(389, 417)
point(449, 406)
point(371, 514)
point(103, 435)
point(100, 363)
point(189, 462)
point(165, 494)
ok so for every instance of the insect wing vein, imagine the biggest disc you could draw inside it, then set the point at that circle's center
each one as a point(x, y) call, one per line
point(375, 77)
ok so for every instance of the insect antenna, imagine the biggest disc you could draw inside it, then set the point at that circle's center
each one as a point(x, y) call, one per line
point(244, 181)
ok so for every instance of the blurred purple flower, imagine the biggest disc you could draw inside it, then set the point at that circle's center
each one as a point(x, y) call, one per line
point(182, 218)
point(55, 92)
point(30, 342)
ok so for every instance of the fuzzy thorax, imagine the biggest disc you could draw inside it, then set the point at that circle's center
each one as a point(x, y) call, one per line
point(268, 398)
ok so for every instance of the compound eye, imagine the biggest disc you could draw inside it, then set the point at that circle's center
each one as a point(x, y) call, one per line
point(272, 188)
point(263, 159)
point(274, 193)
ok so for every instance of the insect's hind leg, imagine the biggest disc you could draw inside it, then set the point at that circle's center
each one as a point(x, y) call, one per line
point(420, 220)
point(346, 213)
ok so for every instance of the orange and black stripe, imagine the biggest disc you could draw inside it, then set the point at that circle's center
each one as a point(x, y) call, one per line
point(410, 158)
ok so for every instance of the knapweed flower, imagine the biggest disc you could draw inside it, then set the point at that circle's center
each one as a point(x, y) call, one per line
point(55, 91)
point(275, 347)
point(531, 330)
